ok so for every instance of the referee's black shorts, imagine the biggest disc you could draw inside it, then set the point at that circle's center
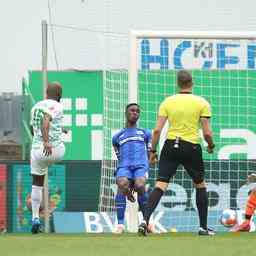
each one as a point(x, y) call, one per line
point(184, 153)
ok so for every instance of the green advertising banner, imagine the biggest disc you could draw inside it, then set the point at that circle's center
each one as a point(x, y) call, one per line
point(83, 108)
point(21, 190)
point(231, 94)
point(75, 187)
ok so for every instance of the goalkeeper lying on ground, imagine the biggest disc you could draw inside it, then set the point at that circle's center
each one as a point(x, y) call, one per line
point(250, 207)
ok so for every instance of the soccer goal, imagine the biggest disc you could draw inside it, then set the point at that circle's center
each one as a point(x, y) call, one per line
point(142, 69)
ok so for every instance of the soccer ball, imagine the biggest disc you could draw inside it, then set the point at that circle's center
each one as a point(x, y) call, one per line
point(228, 218)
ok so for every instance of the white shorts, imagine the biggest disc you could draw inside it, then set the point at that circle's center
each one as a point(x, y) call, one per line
point(39, 163)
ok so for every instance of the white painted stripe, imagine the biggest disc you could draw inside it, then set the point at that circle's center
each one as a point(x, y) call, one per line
point(121, 142)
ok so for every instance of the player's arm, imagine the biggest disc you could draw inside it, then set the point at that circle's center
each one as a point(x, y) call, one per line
point(45, 134)
point(207, 133)
point(149, 142)
point(155, 137)
point(206, 126)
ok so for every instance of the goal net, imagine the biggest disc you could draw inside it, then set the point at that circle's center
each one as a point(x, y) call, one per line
point(223, 70)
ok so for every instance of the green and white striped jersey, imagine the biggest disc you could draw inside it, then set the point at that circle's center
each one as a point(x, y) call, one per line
point(55, 110)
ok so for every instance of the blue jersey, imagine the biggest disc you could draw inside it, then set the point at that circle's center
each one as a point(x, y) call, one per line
point(132, 145)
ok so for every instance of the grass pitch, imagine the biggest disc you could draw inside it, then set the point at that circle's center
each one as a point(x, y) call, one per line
point(173, 244)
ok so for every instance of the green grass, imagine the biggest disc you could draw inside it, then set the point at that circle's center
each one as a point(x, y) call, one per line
point(171, 244)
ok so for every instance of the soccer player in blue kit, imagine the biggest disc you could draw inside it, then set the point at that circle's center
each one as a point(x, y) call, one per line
point(132, 146)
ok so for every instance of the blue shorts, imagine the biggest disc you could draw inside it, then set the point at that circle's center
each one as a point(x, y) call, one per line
point(132, 172)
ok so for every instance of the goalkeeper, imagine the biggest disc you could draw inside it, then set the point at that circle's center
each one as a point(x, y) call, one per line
point(250, 208)
point(132, 146)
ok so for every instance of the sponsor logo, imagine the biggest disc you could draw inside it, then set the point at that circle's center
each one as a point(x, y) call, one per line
point(202, 54)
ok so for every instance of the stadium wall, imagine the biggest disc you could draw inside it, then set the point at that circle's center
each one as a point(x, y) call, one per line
point(74, 187)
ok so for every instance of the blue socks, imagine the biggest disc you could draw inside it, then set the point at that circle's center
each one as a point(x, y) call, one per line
point(120, 202)
point(142, 200)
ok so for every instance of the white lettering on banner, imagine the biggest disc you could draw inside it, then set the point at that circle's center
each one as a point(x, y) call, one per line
point(156, 220)
point(224, 153)
point(162, 221)
point(248, 148)
point(93, 222)
point(222, 195)
point(108, 221)
point(179, 198)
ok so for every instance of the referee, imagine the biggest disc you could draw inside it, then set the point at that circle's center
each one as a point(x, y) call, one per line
point(184, 112)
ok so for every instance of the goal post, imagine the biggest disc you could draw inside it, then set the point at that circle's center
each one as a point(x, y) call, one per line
point(223, 66)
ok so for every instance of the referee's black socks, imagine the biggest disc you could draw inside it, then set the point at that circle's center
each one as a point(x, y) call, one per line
point(202, 206)
point(152, 203)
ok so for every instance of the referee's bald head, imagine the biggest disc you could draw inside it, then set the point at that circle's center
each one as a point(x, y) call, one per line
point(184, 79)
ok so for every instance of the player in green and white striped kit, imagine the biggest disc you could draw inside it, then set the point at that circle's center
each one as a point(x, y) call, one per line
point(47, 146)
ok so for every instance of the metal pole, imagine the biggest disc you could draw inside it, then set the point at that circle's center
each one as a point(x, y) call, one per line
point(132, 208)
point(44, 83)
point(44, 56)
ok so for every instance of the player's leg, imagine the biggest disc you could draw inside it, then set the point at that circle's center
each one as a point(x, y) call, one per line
point(36, 199)
point(37, 172)
point(139, 187)
point(202, 207)
point(130, 193)
point(251, 205)
point(168, 165)
point(249, 211)
point(38, 169)
point(153, 200)
point(193, 163)
point(122, 180)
